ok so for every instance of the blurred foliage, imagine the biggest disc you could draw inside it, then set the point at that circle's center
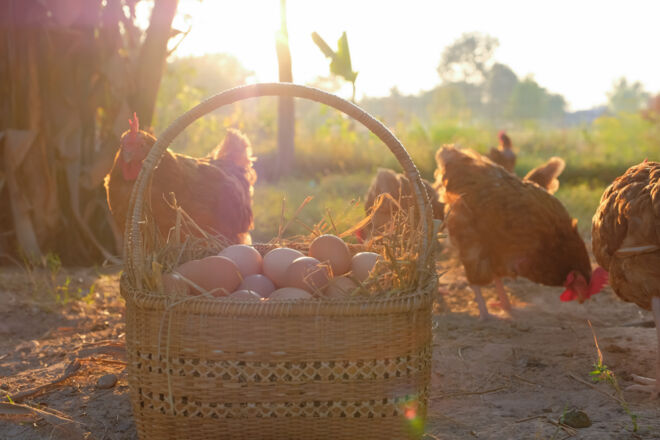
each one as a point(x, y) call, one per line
point(468, 58)
point(335, 196)
point(336, 157)
point(528, 100)
point(186, 82)
point(340, 60)
point(328, 142)
point(627, 97)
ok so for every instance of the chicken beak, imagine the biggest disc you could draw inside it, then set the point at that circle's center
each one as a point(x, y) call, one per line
point(583, 294)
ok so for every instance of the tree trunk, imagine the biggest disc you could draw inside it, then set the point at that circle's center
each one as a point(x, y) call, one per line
point(285, 107)
point(153, 56)
point(68, 83)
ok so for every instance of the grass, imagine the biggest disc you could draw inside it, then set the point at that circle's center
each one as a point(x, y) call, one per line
point(343, 197)
point(50, 287)
point(340, 196)
point(581, 201)
point(602, 373)
point(335, 157)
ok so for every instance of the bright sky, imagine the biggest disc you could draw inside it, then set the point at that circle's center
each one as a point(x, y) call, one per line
point(573, 47)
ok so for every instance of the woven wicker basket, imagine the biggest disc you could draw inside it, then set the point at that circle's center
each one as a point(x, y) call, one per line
point(312, 369)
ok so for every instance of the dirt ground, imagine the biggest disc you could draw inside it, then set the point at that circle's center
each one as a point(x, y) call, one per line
point(506, 378)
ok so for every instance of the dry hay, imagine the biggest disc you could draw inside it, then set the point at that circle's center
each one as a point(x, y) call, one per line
point(398, 272)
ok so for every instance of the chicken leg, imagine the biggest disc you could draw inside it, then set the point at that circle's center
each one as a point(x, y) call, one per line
point(647, 384)
point(504, 302)
point(478, 297)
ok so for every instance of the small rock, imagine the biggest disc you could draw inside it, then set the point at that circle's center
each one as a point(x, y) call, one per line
point(575, 419)
point(107, 381)
point(4, 387)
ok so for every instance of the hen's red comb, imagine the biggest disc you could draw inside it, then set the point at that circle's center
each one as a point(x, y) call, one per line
point(134, 123)
point(599, 279)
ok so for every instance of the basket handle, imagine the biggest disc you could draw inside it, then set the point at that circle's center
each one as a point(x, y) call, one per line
point(133, 243)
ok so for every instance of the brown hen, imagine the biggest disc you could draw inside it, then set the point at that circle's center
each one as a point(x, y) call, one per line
point(398, 186)
point(505, 227)
point(216, 191)
point(503, 155)
point(626, 241)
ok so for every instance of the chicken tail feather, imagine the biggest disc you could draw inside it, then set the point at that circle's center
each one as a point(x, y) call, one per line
point(546, 175)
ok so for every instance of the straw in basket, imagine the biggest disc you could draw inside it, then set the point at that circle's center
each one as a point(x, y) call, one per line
point(204, 368)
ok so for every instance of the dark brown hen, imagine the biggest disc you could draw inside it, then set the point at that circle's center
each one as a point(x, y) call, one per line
point(626, 241)
point(216, 191)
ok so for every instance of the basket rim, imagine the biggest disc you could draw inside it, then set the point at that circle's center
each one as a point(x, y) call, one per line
point(133, 236)
point(377, 305)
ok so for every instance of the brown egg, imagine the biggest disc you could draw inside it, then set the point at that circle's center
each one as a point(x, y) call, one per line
point(219, 275)
point(307, 273)
point(363, 263)
point(331, 249)
point(258, 283)
point(340, 287)
point(247, 258)
point(245, 295)
point(277, 261)
point(289, 293)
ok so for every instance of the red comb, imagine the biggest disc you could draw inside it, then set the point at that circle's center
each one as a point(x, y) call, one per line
point(134, 123)
point(599, 278)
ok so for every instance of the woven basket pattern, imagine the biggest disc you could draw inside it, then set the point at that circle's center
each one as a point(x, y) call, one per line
point(205, 368)
point(288, 372)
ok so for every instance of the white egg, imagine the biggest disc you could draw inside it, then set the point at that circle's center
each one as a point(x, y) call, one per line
point(363, 263)
point(289, 293)
point(258, 283)
point(276, 263)
point(247, 258)
point(340, 287)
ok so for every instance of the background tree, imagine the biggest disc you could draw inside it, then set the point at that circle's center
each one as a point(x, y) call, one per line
point(153, 54)
point(500, 83)
point(64, 105)
point(468, 58)
point(531, 101)
point(627, 97)
point(189, 80)
point(285, 107)
point(449, 101)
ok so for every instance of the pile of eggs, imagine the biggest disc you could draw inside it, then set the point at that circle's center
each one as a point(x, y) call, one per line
point(240, 272)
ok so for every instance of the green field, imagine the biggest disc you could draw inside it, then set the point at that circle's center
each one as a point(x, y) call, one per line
point(336, 167)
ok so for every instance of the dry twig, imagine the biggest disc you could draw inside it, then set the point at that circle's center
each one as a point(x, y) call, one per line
point(70, 370)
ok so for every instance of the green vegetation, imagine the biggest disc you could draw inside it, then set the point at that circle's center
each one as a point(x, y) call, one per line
point(50, 286)
point(335, 157)
point(602, 373)
point(338, 196)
